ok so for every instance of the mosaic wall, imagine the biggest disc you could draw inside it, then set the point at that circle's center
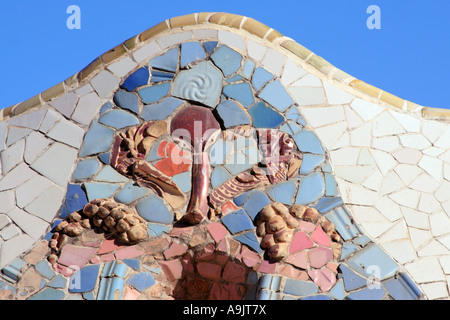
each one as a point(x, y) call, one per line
point(207, 163)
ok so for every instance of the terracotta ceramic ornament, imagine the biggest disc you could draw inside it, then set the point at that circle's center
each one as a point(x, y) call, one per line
point(197, 128)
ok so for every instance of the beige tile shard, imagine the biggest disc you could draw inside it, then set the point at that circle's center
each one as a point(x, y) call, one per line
point(388, 208)
point(291, 72)
point(439, 224)
point(401, 250)
point(384, 125)
point(415, 219)
point(322, 116)
point(371, 220)
point(336, 95)
point(388, 144)
point(435, 290)
point(426, 269)
point(419, 237)
point(433, 166)
point(415, 141)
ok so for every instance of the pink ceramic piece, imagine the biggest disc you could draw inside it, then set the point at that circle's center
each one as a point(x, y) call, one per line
point(172, 269)
point(300, 241)
point(299, 259)
point(217, 231)
point(320, 237)
point(324, 278)
point(320, 256)
point(76, 256)
point(129, 253)
point(175, 249)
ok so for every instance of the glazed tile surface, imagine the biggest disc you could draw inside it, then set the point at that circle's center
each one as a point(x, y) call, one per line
point(212, 164)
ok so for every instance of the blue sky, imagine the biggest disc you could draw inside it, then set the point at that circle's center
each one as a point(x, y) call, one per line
point(408, 56)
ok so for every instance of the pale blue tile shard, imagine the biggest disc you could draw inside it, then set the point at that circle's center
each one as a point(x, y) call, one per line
point(126, 100)
point(352, 280)
point(96, 190)
point(183, 180)
point(154, 93)
point(294, 114)
point(105, 157)
point(348, 249)
point(310, 189)
point(338, 292)
point(343, 223)
point(136, 79)
point(402, 288)
point(109, 174)
point(152, 155)
point(228, 60)
point(190, 52)
point(237, 221)
point(118, 119)
point(276, 95)
point(300, 288)
point(114, 269)
point(376, 293)
point(155, 229)
point(12, 270)
point(202, 83)
point(153, 209)
point(362, 240)
point(327, 204)
point(264, 116)
point(167, 61)
point(234, 78)
point(331, 189)
point(373, 259)
point(291, 128)
point(232, 114)
point(159, 76)
point(210, 46)
point(48, 294)
point(107, 106)
point(260, 77)
point(311, 162)
point(256, 200)
point(248, 68)
point(59, 282)
point(84, 280)
point(141, 281)
point(249, 238)
point(218, 176)
point(161, 110)
point(86, 169)
point(110, 289)
point(45, 269)
point(133, 263)
point(98, 139)
point(88, 296)
point(240, 92)
point(283, 192)
point(308, 142)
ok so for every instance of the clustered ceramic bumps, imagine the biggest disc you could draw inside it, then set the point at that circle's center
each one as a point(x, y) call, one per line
point(276, 225)
point(120, 220)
